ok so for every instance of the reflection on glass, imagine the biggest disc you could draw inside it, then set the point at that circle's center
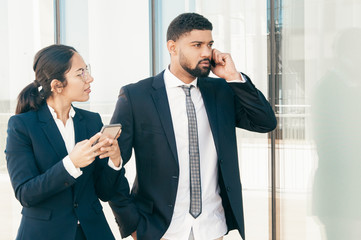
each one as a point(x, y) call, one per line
point(317, 155)
point(337, 131)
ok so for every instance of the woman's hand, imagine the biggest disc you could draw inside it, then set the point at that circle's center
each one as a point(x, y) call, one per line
point(111, 150)
point(84, 153)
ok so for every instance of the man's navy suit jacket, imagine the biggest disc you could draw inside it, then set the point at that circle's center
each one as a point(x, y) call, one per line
point(52, 200)
point(143, 110)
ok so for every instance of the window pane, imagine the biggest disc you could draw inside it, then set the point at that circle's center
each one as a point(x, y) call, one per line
point(25, 27)
point(318, 171)
point(112, 36)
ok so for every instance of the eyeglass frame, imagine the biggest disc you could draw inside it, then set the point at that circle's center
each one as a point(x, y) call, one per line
point(85, 72)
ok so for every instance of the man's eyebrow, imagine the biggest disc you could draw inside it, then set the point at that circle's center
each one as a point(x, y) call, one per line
point(201, 41)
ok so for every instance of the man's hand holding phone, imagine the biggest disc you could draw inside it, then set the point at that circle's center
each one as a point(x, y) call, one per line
point(223, 66)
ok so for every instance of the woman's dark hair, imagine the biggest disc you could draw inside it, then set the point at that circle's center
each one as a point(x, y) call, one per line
point(185, 23)
point(52, 62)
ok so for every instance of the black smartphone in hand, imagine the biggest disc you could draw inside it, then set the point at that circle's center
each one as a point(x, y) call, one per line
point(213, 63)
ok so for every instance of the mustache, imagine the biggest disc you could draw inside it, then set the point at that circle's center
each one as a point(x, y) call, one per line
point(205, 60)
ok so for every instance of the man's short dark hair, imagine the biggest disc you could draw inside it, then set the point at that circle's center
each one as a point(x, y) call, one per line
point(185, 23)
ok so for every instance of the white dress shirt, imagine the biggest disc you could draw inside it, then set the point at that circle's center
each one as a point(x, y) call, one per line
point(68, 134)
point(211, 224)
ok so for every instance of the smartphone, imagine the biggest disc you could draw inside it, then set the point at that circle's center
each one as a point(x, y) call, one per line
point(213, 63)
point(109, 131)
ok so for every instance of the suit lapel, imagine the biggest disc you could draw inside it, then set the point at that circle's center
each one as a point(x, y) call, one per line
point(160, 99)
point(51, 131)
point(208, 92)
point(80, 132)
point(56, 140)
point(79, 127)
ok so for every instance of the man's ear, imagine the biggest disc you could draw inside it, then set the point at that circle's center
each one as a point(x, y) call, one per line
point(56, 86)
point(172, 47)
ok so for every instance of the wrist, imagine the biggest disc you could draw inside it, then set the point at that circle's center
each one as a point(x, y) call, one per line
point(234, 76)
point(71, 158)
point(116, 161)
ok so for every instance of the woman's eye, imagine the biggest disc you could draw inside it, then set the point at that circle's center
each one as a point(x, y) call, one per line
point(81, 73)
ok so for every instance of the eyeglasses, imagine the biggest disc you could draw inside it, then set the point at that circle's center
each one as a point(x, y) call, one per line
point(85, 73)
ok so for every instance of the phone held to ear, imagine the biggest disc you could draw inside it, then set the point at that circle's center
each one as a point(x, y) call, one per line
point(213, 63)
point(109, 131)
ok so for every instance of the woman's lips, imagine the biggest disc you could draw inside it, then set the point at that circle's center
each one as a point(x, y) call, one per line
point(88, 90)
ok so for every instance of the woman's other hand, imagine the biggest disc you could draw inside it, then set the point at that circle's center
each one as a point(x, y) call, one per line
point(84, 153)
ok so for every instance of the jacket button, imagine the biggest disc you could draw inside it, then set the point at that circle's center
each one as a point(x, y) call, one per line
point(76, 205)
point(221, 161)
point(228, 189)
point(66, 184)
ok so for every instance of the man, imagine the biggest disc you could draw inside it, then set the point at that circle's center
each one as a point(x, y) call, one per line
point(181, 125)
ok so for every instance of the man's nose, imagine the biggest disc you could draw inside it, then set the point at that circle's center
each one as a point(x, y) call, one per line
point(206, 52)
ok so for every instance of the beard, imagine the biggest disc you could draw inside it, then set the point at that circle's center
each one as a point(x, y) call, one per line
point(198, 71)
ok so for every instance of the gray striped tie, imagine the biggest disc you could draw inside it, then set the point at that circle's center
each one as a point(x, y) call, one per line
point(195, 208)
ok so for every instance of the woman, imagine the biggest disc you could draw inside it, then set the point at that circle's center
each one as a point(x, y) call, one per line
point(56, 173)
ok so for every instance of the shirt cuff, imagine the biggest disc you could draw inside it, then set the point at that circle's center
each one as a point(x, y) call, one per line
point(243, 80)
point(111, 164)
point(70, 168)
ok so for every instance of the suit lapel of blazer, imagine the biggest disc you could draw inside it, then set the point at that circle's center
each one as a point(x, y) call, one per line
point(160, 99)
point(51, 131)
point(80, 132)
point(208, 92)
point(79, 126)
point(56, 140)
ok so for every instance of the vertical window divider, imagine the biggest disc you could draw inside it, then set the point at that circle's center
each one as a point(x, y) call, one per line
point(272, 135)
point(152, 37)
point(57, 21)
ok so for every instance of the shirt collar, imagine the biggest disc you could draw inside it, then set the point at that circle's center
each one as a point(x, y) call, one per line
point(172, 81)
point(55, 116)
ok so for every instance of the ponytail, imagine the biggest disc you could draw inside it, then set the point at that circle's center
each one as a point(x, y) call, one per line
point(50, 63)
point(30, 98)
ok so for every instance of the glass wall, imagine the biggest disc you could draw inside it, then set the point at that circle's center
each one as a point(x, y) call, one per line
point(113, 37)
point(317, 101)
point(25, 27)
point(304, 55)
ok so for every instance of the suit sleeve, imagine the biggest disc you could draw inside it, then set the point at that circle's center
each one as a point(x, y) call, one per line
point(253, 111)
point(31, 186)
point(124, 209)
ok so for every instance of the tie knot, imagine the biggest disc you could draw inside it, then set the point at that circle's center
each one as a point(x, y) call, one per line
point(187, 89)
